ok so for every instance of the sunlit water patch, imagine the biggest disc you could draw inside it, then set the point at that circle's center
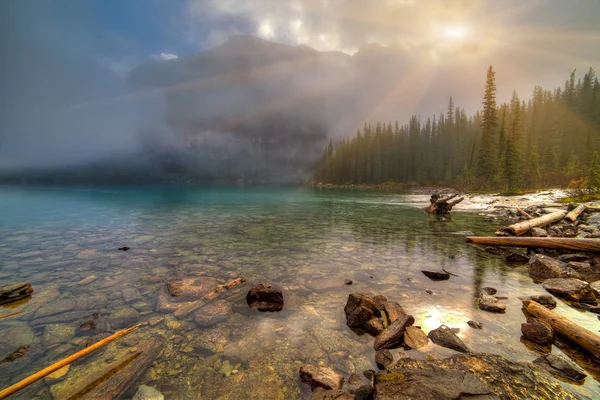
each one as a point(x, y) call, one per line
point(307, 242)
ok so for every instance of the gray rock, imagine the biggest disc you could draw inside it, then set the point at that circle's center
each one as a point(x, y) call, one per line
point(131, 295)
point(490, 303)
point(392, 336)
point(320, 377)
point(570, 288)
point(213, 313)
point(494, 250)
point(148, 393)
point(124, 317)
point(383, 358)
point(57, 333)
point(543, 267)
point(544, 299)
point(537, 331)
point(538, 232)
point(561, 367)
point(445, 337)
point(585, 269)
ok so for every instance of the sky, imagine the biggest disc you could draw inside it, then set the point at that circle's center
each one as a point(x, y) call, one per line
point(62, 53)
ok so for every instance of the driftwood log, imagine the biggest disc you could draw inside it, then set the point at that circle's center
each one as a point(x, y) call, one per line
point(443, 205)
point(563, 326)
point(65, 361)
point(541, 242)
point(523, 227)
point(188, 308)
point(573, 214)
point(11, 293)
point(524, 213)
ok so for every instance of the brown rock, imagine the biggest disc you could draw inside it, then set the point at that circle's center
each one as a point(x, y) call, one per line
point(490, 303)
point(415, 338)
point(379, 301)
point(445, 337)
point(264, 298)
point(393, 311)
point(374, 326)
point(356, 300)
point(561, 367)
point(570, 288)
point(383, 358)
point(537, 331)
point(436, 275)
point(516, 258)
point(538, 232)
point(213, 313)
point(392, 336)
point(475, 324)
point(320, 377)
point(585, 269)
point(573, 257)
point(358, 317)
point(544, 299)
point(543, 267)
point(191, 287)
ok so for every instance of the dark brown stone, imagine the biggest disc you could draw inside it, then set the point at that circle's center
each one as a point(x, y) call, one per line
point(489, 290)
point(393, 310)
point(516, 258)
point(264, 298)
point(356, 300)
point(561, 367)
point(415, 338)
point(392, 336)
point(544, 299)
point(383, 358)
point(320, 377)
point(359, 316)
point(475, 324)
point(436, 275)
point(570, 288)
point(374, 326)
point(445, 337)
point(537, 331)
point(543, 267)
point(490, 303)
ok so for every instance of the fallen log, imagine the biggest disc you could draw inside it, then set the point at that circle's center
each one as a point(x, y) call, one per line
point(10, 314)
point(185, 310)
point(523, 227)
point(541, 242)
point(573, 214)
point(65, 361)
point(441, 206)
point(563, 326)
point(524, 213)
point(12, 293)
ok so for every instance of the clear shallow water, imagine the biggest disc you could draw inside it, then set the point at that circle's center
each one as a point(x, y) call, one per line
point(302, 240)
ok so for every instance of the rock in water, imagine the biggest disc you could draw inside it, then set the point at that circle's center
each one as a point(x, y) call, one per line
point(347, 282)
point(543, 267)
point(320, 377)
point(148, 393)
point(415, 338)
point(570, 288)
point(561, 367)
point(213, 313)
point(374, 326)
point(490, 290)
point(356, 300)
point(494, 250)
point(358, 317)
point(537, 331)
point(516, 258)
point(544, 299)
point(191, 287)
point(125, 248)
point(392, 336)
point(383, 358)
point(475, 324)
point(264, 298)
point(18, 291)
point(18, 353)
point(443, 336)
point(490, 303)
point(436, 276)
point(393, 311)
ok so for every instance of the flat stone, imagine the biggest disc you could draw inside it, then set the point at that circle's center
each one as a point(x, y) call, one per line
point(494, 250)
point(265, 298)
point(61, 318)
point(320, 377)
point(415, 338)
point(57, 333)
point(475, 324)
point(191, 287)
point(490, 303)
point(383, 358)
point(436, 275)
point(445, 337)
point(544, 299)
point(392, 336)
point(561, 367)
point(210, 340)
point(14, 336)
point(543, 267)
point(537, 331)
point(213, 313)
point(58, 374)
point(124, 317)
point(516, 258)
point(570, 288)
point(56, 307)
point(393, 311)
point(131, 295)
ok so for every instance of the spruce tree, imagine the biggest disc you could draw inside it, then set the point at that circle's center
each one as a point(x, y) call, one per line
point(488, 127)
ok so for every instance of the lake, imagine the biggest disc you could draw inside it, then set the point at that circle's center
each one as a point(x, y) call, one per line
point(304, 241)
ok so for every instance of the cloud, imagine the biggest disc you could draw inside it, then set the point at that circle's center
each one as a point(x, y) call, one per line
point(164, 56)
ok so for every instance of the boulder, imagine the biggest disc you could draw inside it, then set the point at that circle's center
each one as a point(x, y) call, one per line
point(570, 288)
point(544, 299)
point(393, 311)
point(392, 336)
point(537, 331)
point(264, 298)
point(561, 367)
point(436, 275)
point(538, 232)
point(415, 338)
point(445, 337)
point(213, 313)
point(383, 358)
point(356, 300)
point(585, 269)
point(490, 303)
point(320, 377)
point(359, 316)
point(516, 258)
point(543, 267)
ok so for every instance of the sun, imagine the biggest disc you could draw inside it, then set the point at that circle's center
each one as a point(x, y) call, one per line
point(456, 32)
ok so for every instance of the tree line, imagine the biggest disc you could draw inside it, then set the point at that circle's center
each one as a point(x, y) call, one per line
point(548, 140)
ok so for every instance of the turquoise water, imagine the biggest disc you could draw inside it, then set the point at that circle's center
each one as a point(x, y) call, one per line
point(304, 241)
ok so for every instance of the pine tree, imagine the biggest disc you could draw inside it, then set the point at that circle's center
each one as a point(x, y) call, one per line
point(593, 179)
point(512, 157)
point(488, 127)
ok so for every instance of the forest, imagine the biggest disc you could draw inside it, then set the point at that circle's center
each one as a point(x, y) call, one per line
point(551, 139)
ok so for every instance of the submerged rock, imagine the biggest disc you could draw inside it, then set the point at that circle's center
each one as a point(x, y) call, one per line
point(561, 367)
point(57, 333)
point(17, 291)
point(537, 331)
point(436, 275)
point(320, 377)
point(147, 393)
point(191, 287)
point(490, 303)
point(392, 336)
point(383, 358)
point(124, 317)
point(445, 337)
point(264, 298)
point(213, 313)
point(570, 288)
point(516, 258)
point(497, 251)
point(543, 267)
point(489, 290)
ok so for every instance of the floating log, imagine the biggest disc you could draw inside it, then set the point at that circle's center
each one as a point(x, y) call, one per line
point(185, 310)
point(523, 227)
point(65, 361)
point(575, 333)
point(573, 214)
point(524, 213)
point(10, 314)
point(541, 242)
